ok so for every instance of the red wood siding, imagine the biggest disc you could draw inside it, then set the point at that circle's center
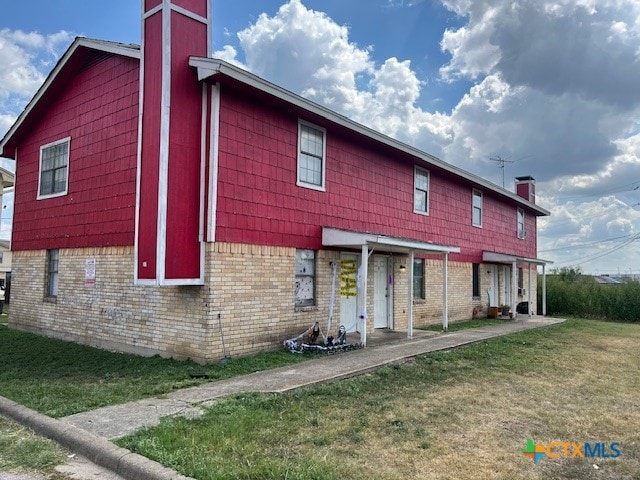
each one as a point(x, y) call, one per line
point(98, 110)
point(185, 138)
point(366, 190)
point(148, 219)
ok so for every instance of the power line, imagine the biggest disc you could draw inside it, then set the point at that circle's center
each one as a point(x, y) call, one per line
point(581, 245)
point(627, 187)
point(587, 259)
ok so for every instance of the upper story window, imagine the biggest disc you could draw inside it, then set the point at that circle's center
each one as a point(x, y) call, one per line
point(521, 231)
point(477, 208)
point(54, 169)
point(421, 191)
point(311, 156)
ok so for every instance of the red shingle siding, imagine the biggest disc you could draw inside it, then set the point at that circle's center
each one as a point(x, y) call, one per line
point(367, 189)
point(98, 110)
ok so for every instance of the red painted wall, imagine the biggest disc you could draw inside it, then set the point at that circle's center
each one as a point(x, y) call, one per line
point(98, 110)
point(366, 190)
point(185, 138)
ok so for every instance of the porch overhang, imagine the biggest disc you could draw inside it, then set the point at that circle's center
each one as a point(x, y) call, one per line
point(369, 243)
point(333, 237)
point(493, 257)
point(514, 260)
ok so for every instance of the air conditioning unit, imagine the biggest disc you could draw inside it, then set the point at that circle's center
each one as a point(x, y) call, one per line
point(522, 292)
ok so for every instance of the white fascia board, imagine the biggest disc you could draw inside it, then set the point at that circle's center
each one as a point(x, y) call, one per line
point(208, 67)
point(494, 257)
point(132, 51)
point(334, 237)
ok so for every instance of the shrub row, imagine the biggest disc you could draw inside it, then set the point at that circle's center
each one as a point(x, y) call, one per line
point(584, 297)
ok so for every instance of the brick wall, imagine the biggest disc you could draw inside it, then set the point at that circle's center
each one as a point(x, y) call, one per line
point(112, 313)
point(247, 300)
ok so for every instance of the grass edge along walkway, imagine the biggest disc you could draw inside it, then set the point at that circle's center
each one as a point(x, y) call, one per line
point(120, 420)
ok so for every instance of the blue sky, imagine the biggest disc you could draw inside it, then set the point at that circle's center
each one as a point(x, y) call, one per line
point(550, 86)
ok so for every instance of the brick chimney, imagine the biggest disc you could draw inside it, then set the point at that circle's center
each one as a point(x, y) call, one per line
point(168, 241)
point(526, 188)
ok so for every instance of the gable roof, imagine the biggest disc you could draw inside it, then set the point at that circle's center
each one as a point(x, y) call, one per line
point(214, 69)
point(81, 50)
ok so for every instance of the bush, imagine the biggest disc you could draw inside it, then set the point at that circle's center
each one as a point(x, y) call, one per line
point(581, 296)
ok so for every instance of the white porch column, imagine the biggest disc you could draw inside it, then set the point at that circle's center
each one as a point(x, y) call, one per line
point(410, 297)
point(544, 291)
point(445, 291)
point(364, 266)
point(514, 288)
point(529, 291)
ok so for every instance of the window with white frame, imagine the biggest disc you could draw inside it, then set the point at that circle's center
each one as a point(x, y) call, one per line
point(421, 191)
point(477, 208)
point(311, 156)
point(54, 169)
point(521, 232)
point(305, 278)
point(418, 279)
point(52, 273)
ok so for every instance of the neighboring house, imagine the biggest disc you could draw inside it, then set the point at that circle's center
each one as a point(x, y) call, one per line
point(171, 203)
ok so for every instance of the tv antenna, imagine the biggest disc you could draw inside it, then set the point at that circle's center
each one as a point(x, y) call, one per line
point(501, 161)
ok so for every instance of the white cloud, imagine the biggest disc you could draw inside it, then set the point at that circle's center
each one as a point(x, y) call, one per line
point(25, 60)
point(308, 53)
point(555, 47)
point(5, 122)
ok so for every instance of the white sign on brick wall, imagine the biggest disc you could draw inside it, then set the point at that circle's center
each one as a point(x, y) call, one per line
point(90, 271)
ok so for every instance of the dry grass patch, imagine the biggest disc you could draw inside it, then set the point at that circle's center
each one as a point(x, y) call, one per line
point(23, 452)
point(456, 415)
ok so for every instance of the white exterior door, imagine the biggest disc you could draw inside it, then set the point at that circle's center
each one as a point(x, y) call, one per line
point(348, 291)
point(507, 286)
point(380, 292)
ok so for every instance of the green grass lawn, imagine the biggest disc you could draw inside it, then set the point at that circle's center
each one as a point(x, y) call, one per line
point(60, 378)
point(461, 414)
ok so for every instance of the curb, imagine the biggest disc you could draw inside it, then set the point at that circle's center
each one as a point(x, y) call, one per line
point(95, 449)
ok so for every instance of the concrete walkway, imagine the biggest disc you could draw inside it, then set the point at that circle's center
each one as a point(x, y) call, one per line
point(87, 434)
point(120, 420)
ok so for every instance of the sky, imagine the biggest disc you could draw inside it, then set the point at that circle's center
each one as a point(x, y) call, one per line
point(550, 86)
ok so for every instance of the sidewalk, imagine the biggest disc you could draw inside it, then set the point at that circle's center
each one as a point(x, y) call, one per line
point(121, 420)
point(88, 433)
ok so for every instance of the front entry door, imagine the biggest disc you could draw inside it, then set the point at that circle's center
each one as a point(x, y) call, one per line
point(380, 292)
point(348, 292)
